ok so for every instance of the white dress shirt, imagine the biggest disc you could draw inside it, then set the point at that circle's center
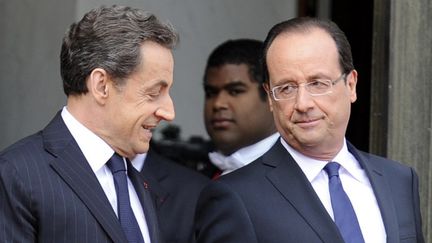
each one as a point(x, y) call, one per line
point(356, 185)
point(138, 161)
point(97, 152)
point(242, 156)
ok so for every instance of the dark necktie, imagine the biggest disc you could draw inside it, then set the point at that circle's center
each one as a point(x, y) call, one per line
point(344, 215)
point(125, 214)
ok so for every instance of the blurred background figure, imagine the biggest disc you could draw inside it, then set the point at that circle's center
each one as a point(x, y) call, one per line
point(236, 112)
point(237, 116)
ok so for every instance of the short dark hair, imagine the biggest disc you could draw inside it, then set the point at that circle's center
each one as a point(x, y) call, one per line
point(109, 38)
point(239, 51)
point(304, 24)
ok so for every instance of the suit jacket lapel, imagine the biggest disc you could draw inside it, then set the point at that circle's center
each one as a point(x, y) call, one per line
point(382, 193)
point(143, 187)
point(71, 165)
point(156, 178)
point(290, 181)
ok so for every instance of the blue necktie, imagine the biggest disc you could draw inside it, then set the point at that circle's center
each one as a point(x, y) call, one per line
point(125, 214)
point(344, 215)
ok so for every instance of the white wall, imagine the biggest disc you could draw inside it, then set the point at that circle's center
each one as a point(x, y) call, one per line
point(202, 26)
point(30, 85)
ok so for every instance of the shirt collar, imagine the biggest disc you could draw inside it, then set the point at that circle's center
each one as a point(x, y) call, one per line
point(95, 150)
point(242, 156)
point(312, 167)
point(252, 152)
point(138, 161)
point(350, 164)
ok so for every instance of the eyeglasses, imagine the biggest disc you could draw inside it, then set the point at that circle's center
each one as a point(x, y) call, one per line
point(316, 87)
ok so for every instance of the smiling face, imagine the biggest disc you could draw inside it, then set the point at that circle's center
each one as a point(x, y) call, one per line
point(315, 126)
point(136, 107)
point(235, 115)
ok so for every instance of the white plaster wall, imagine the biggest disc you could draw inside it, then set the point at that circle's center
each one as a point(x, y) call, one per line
point(30, 86)
point(30, 83)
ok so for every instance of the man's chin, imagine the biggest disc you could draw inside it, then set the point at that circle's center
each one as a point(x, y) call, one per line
point(142, 148)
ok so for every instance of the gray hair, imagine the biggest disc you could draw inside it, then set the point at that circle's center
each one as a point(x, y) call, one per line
point(109, 38)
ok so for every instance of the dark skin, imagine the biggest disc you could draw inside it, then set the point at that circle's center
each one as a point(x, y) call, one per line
point(235, 114)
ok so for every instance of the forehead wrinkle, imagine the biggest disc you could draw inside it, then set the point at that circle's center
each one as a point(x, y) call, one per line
point(145, 87)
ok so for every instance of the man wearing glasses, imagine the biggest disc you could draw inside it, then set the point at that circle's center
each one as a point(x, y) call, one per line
point(312, 185)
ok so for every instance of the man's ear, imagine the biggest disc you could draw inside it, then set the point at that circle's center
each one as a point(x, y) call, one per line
point(269, 95)
point(352, 84)
point(98, 85)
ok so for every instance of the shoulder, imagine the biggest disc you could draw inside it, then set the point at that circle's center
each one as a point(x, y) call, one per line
point(164, 169)
point(376, 161)
point(396, 172)
point(253, 173)
point(22, 149)
point(18, 164)
point(383, 163)
point(220, 203)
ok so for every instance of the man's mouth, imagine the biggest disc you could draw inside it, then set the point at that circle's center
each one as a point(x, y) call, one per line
point(305, 123)
point(221, 123)
point(149, 127)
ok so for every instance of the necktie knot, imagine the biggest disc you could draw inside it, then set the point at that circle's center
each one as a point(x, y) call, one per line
point(116, 163)
point(332, 169)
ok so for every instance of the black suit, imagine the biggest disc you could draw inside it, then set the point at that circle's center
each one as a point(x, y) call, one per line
point(178, 189)
point(271, 201)
point(49, 193)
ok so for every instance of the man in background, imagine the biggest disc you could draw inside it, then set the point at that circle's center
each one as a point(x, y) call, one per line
point(236, 112)
point(73, 181)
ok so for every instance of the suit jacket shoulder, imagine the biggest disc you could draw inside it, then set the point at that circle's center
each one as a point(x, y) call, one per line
point(178, 190)
point(396, 189)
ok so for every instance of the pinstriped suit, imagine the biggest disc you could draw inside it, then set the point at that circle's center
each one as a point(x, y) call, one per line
point(48, 193)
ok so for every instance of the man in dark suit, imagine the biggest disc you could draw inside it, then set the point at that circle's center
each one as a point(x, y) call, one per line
point(312, 185)
point(72, 181)
point(177, 189)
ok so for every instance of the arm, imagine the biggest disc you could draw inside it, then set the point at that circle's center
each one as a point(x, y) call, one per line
point(17, 223)
point(221, 216)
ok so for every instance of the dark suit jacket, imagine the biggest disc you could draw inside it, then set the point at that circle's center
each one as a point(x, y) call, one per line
point(178, 189)
point(48, 193)
point(271, 201)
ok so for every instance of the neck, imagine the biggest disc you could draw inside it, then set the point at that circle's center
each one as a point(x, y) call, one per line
point(84, 110)
point(318, 152)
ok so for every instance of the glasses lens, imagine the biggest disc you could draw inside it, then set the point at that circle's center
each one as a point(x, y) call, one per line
point(318, 87)
point(285, 92)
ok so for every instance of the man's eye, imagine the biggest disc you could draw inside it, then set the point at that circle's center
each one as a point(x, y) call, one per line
point(287, 89)
point(209, 93)
point(234, 92)
point(320, 84)
point(153, 95)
